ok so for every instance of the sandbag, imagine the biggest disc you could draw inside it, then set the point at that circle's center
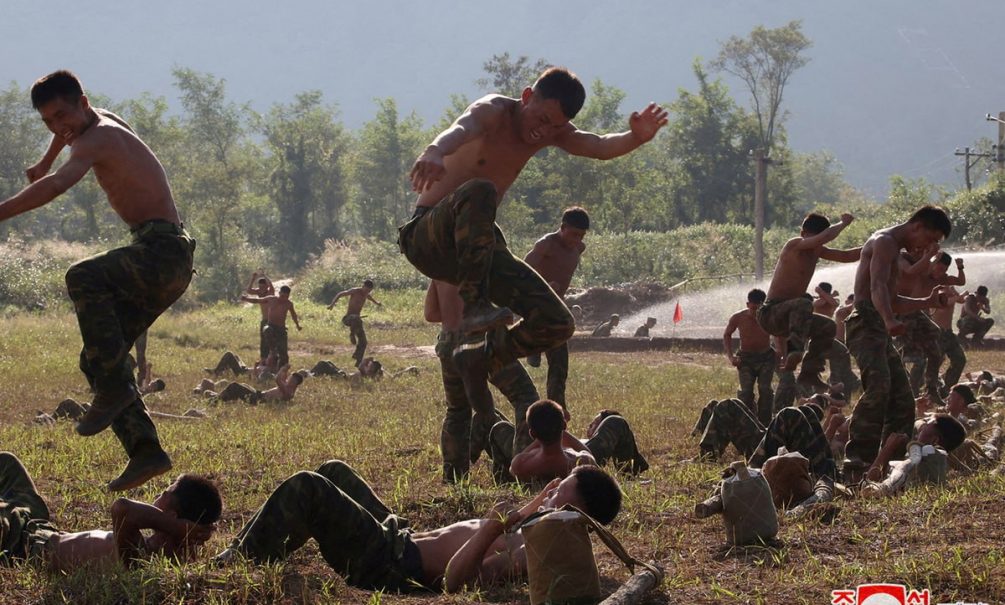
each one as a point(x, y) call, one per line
point(788, 475)
point(561, 567)
point(748, 510)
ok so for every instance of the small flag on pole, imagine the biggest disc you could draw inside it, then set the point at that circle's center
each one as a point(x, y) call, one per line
point(678, 314)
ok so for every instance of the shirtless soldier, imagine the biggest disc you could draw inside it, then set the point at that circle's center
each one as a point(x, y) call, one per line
point(555, 257)
point(462, 176)
point(949, 344)
point(970, 321)
point(276, 308)
point(362, 540)
point(352, 319)
point(261, 286)
point(755, 361)
point(117, 295)
point(886, 405)
point(917, 278)
point(786, 312)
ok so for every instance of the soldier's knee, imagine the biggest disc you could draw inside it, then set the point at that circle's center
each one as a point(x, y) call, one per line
point(333, 467)
point(8, 458)
point(77, 274)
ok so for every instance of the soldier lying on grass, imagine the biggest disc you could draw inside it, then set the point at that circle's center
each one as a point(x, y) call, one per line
point(182, 518)
point(364, 542)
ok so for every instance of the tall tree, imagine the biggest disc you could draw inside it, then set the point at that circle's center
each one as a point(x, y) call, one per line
point(764, 62)
point(307, 184)
point(508, 76)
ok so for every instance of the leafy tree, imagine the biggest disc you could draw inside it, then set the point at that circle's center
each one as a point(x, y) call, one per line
point(307, 183)
point(508, 76)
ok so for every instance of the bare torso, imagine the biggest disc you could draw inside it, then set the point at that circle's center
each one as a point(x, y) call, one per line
point(71, 550)
point(909, 285)
point(793, 271)
point(357, 298)
point(439, 545)
point(863, 275)
point(943, 316)
point(497, 156)
point(824, 307)
point(276, 310)
point(753, 338)
point(129, 173)
point(555, 262)
point(972, 306)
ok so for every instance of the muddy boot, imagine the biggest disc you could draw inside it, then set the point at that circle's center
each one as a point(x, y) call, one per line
point(144, 466)
point(482, 316)
point(811, 380)
point(105, 407)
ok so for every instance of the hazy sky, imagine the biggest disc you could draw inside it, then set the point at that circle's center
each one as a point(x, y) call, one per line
point(893, 86)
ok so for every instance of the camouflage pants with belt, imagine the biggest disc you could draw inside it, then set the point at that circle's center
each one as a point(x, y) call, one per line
point(458, 242)
point(463, 436)
point(24, 517)
point(357, 335)
point(759, 368)
point(951, 348)
point(277, 340)
point(886, 405)
point(795, 318)
point(798, 430)
point(978, 326)
point(725, 422)
point(355, 531)
point(922, 336)
point(117, 295)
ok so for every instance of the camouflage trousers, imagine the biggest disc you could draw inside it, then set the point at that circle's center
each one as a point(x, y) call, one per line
point(840, 363)
point(355, 531)
point(795, 318)
point(978, 326)
point(357, 336)
point(24, 517)
point(786, 388)
point(922, 337)
point(230, 362)
point(463, 435)
point(558, 373)
point(277, 340)
point(759, 368)
point(886, 405)
point(726, 422)
point(798, 430)
point(263, 341)
point(951, 348)
point(613, 441)
point(457, 241)
point(117, 295)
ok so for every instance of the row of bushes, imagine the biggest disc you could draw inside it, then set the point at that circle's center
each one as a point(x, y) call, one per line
point(31, 275)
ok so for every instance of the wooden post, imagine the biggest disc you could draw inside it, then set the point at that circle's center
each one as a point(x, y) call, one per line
point(632, 591)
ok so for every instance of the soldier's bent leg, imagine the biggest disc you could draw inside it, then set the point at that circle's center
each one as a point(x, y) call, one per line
point(455, 434)
point(792, 429)
point(731, 422)
point(868, 342)
point(501, 451)
point(746, 374)
point(308, 505)
point(353, 485)
point(614, 441)
point(957, 358)
point(765, 369)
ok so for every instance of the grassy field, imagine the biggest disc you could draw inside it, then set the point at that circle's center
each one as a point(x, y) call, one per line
point(949, 540)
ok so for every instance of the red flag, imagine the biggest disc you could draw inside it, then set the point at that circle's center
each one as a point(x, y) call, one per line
point(678, 314)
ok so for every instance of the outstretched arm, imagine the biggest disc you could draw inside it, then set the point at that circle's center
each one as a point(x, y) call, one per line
point(842, 256)
point(826, 235)
point(341, 294)
point(48, 188)
point(373, 300)
point(643, 126)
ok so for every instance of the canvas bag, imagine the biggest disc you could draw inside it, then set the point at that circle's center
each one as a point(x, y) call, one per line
point(561, 567)
point(747, 507)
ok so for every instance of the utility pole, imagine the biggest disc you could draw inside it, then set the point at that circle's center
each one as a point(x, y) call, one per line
point(999, 149)
point(967, 164)
point(761, 160)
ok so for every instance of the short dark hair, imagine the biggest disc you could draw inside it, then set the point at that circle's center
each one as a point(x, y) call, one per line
point(944, 258)
point(576, 217)
point(298, 377)
point(368, 283)
point(262, 281)
point(564, 86)
point(934, 218)
point(62, 84)
point(815, 223)
point(546, 420)
point(600, 493)
point(982, 290)
point(284, 290)
point(197, 499)
point(951, 431)
point(965, 392)
point(756, 296)
point(826, 287)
